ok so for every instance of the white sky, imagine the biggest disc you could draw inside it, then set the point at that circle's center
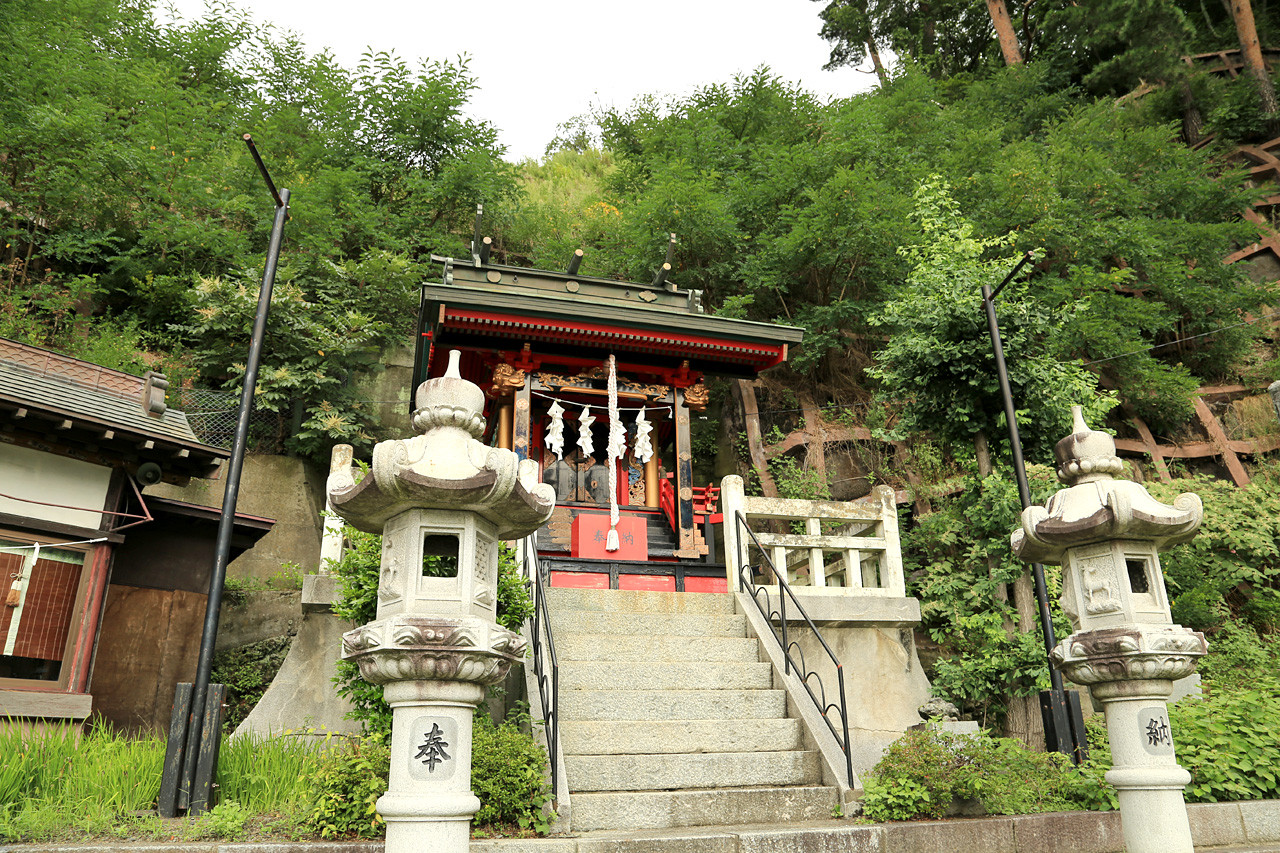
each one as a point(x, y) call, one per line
point(541, 63)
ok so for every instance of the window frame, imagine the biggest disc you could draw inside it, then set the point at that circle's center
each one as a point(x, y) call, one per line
point(75, 628)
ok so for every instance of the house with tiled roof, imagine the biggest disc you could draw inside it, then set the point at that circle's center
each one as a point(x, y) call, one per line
point(102, 589)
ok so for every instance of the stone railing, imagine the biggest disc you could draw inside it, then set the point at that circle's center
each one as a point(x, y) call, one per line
point(845, 549)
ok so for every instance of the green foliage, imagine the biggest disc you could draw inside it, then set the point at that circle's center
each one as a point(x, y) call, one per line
point(954, 558)
point(938, 359)
point(925, 771)
point(247, 672)
point(1095, 792)
point(950, 37)
point(507, 775)
point(1232, 566)
point(269, 774)
point(346, 790)
point(1227, 741)
point(58, 768)
point(563, 206)
point(328, 325)
point(135, 219)
point(226, 820)
point(796, 482)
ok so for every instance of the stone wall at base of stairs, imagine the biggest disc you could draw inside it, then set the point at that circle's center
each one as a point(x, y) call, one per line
point(1248, 827)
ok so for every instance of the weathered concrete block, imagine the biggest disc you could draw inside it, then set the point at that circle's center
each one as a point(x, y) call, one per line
point(1069, 832)
point(656, 624)
point(683, 841)
point(837, 605)
point(256, 616)
point(637, 601)
point(319, 592)
point(665, 675)
point(303, 696)
point(834, 839)
point(1215, 824)
point(672, 704)
point(624, 737)
point(663, 809)
point(523, 845)
point(636, 647)
point(1261, 820)
point(990, 835)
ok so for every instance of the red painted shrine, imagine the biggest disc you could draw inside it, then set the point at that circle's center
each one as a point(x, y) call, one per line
point(543, 345)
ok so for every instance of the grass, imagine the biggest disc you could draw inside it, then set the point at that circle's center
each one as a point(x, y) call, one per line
point(58, 784)
point(267, 774)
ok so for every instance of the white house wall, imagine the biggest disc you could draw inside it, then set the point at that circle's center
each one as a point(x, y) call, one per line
point(50, 479)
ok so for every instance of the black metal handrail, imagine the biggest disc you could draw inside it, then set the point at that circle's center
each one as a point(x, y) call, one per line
point(747, 584)
point(546, 668)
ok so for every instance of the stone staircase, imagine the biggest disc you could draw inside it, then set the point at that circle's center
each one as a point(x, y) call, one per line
point(669, 718)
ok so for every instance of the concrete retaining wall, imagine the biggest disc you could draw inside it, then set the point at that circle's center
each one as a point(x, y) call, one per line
point(1249, 827)
point(280, 487)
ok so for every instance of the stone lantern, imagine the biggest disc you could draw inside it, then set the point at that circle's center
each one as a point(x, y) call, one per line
point(442, 501)
point(1107, 534)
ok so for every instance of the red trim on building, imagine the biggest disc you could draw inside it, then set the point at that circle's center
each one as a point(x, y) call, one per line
point(661, 343)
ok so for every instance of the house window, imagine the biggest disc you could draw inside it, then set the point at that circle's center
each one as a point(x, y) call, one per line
point(41, 586)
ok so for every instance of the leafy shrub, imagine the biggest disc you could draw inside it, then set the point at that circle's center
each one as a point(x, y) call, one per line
point(1227, 741)
point(925, 771)
point(1239, 657)
point(346, 791)
point(507, 775)
point(1232, 567)
point(956, 558)
point(225, 820)
point(247, 672)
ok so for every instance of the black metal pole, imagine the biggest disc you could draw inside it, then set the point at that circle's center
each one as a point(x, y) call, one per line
point(231, 492)
point(1020, 471)
point(1060, 739)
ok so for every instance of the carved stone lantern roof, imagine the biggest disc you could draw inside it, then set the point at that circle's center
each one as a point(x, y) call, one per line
point(445, 467)
point(1096, 507)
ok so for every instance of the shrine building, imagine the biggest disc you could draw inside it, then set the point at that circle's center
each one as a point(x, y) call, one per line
point(546, 347)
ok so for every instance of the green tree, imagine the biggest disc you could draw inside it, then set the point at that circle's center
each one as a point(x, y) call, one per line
point(128, 199)
point(938, 362)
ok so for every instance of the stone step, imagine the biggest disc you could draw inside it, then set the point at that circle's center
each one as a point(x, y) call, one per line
point(690, 770)
point(665, 675)
point(637, 601)
point(649, 624)
point(637, 647)
point(666, 809)
point(645, 706)
point(627, 737)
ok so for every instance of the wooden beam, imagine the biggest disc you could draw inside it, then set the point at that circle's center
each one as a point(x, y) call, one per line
point(1149, 445)
point(1219, 438)
point(687, 532)
point(522, 421)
